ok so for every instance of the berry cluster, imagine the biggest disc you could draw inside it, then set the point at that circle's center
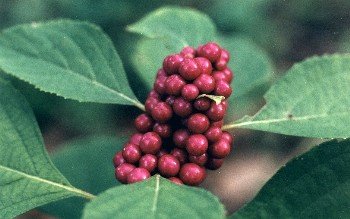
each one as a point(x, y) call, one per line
point(180, 134)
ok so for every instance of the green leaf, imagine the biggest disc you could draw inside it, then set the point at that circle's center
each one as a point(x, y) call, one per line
point(311, 100)
point(253, 71)
point(87, 163)
point(217, 99)
point(155, 198)
point(314, 185)
point(75, 60)
point(176, 27)
point(27, 176)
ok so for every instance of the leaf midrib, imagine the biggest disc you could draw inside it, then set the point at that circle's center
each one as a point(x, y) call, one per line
point(74, 190)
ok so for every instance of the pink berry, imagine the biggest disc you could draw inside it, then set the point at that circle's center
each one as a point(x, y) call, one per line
point(192, 174)
point(220, 75)
point(168, 165)
point(174, 85)
point(154, 94)
point(205, 83)
point(204, 65)
point(182, 107)
point(189, 70)
point(216, 112)
point(122, 172)
point(222, 88)
point(180, 154)
point(220, 149)
point(200, 160)
point(197, 144)
point(221, 63)
point(213, 134)
point(218, 124)
point(150, 143)
point(149, 162)
point(189, 92)
point(131, 153)
point(214, 164)
point(176, 180)
point(188, 52)
point(198, 123)
point(211, 51)
point(180, 137)
point(163, 130)
point(229, 74)
point(136, 138)
point(161, 153)
point(162, 112)
point(228, 137)
point(202, 104)
point(172, 63)
point(150, 103)
point(159, 84)
point(143, 123)
point(118, 159)
point(138, 174)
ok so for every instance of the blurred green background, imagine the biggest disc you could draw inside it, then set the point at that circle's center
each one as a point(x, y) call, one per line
point(288, 31)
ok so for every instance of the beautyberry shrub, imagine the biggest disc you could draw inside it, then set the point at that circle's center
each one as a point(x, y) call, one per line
point(180, 134)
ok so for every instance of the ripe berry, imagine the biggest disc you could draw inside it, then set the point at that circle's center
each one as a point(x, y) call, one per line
point(176, 180)
point(182, 107)
point(161, 153)
point(202, 104)
point(198, 123)
point(180, 137)
point(188, 52)
point(216, 112)
point(174, 84)
point(150, 143)
point(122, 172)
point(199, 160)
point(189, 69)
point(221, 63)
point(205, 83)
point(159, 84)
point(214, 164)
point(154, 94)
point(211, 51)
point(163, 130)
point(180, 154)
point(220, 149)
point(118, 159)
point(213, 134)
point(172, 63)
point(229, 74)
point(149, 162)
point(204, 65)
point(192, 174)
point(220, 75)
point(162, 112)
point(143, 123)
point(131, 153)
point(197, 144)
point(218, 124)
point(222, 88)
point(168, 165)
point(150, 103)
point(227, 136)
point(137, 175)
point(136, 138)
point(189, 92)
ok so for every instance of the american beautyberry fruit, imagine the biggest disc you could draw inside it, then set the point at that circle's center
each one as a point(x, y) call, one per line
point(192, 174)
point(204, 65)
point(176, 180)
point(197, 144)
point(211, 51)
point(163, 130)
point(180, 137)
point(202, 104)
point(143, 123)
point(199, 160)
point(150, 103)
point(137, 175)
point(222, 88)
point(149, 162)
point(118, 159)
point(229, 74)
point(227, 136)
point(180, 154)
point(182, 107)
point(161, 153)
point(172, 63)
point(216, 112)
point(159, 84)
point(174, 84)
point(205, 83)
point(168, 165)
point(189, 69)
point(224, 58)
point(154, 94)
point(190, 92)
point(198, 123)
point(162, 112)
point(220, 75)
point(214, 164)
point(122, 172)
point(150, 143)
point(136, 138)
point(213, 134)
point(188, 52)
point(220, 149)
point(219, 123)
point(131, 153)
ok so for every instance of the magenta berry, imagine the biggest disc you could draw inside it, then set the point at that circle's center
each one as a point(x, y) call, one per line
point(150, 143)
point(143, 123)
point(149, 162)
point(131, 153)
point(197, 144)
point(137, 175)
point(192, 174)
point(190, 92)
point(198, 123)
point(168, 165)
point(122, 172)
point(180, 135)
point(162, 112)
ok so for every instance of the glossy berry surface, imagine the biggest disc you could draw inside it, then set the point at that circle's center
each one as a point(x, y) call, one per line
point(198, 123)
point(149, 162)
point(189, 69)
point(118, 159)
point(168, 165)
point(122, 172)
point(174, 84)
point(190, 92)
point(192, 174)
point(220, 149)
point(162, 112)
point(137, 175)
point(131, 153)
point(197, 144)
point(143, 123)
point(150, 143)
